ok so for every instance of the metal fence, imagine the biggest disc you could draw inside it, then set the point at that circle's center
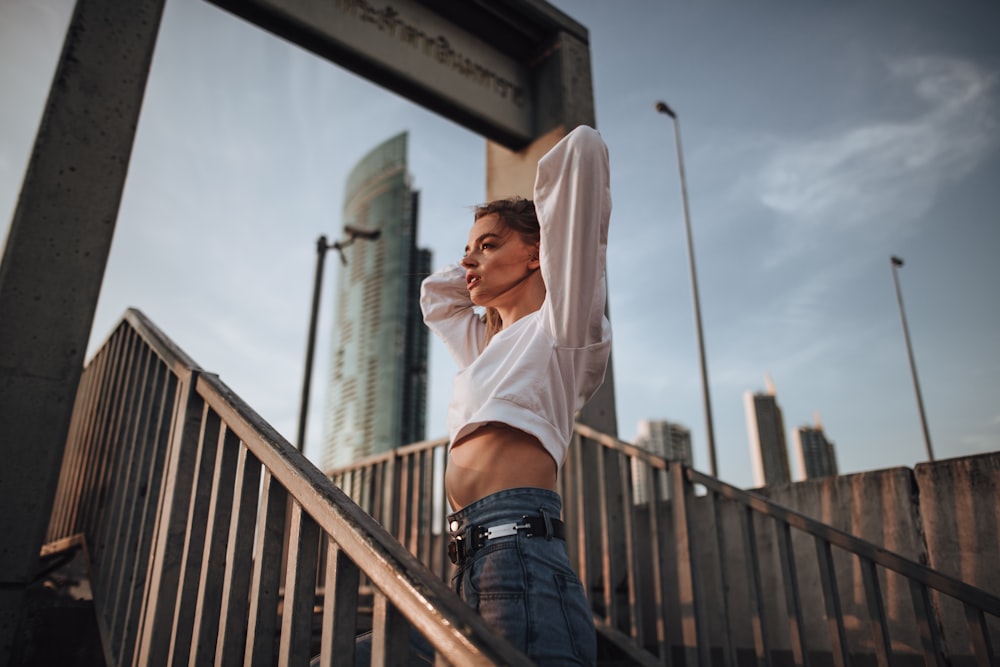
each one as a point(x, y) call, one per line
point(211, 540)
point(695, 571)
point(713, 574)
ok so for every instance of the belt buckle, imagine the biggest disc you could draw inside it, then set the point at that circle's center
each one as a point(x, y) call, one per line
point(502, 530)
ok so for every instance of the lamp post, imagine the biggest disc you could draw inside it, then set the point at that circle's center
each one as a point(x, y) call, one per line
point(895, 263)
point(353, 233)
point(709, 429)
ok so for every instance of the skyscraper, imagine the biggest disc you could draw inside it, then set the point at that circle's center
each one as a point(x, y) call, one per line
point(766, 430)
point(663, 438)
point(817, 457)
point(377, 390)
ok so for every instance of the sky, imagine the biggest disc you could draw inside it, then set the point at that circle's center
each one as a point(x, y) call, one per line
point(819, 139)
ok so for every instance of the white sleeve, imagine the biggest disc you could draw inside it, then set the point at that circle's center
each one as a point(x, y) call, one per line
point(448, 311)
point(573, 202)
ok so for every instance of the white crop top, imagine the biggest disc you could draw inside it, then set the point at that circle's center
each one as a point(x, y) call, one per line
point(538, 372)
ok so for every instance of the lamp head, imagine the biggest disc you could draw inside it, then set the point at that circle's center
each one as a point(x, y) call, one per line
point(358, 233)
point(663, 108)
point(896, 261)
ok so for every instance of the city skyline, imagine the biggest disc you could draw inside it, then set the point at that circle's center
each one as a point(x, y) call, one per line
point(819, 141)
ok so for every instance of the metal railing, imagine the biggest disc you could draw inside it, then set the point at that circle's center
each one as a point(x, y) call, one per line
point(730, 577)
point(725, 577)
point(404, 491)
point(212, 540)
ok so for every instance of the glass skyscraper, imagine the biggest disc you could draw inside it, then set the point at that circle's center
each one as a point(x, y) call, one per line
point(669, 440)
point(766, 430)
point(817, 457)
point(377, 389)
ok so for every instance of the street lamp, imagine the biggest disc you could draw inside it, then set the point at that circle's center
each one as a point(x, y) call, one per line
point(353, 234)
point(709, 430)
point(896, 262)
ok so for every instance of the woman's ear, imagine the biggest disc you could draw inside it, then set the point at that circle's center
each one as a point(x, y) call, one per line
point(534, 262)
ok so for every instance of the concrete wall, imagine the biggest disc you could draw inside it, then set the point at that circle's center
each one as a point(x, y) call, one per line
point(880, 507)
point(960, 508)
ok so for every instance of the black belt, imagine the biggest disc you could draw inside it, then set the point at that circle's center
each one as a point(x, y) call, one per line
point(532, 526)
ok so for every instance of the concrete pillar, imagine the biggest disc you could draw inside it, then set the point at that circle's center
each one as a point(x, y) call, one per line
point(565, 99)
point(54, 263)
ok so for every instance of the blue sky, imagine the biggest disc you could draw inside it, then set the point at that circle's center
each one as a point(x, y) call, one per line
point(819, 140)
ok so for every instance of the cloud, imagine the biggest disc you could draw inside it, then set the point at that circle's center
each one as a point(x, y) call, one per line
point(979, 443)
point(889, 169)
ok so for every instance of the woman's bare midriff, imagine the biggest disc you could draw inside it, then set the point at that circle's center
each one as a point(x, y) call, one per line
point(492, 458)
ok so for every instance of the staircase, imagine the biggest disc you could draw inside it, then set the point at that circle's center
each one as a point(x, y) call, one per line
point(208, 539)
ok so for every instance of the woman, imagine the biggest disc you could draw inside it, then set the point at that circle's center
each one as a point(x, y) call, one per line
point(526, 367)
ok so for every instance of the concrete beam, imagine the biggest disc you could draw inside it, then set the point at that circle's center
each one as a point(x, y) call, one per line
point(473, 62)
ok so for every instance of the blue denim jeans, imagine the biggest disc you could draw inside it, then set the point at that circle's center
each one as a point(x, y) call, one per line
point(524, 587)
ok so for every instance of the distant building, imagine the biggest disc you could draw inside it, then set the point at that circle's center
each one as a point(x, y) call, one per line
point(663, 438)
point(377, 390)
point(766, 431)
point(817, 457)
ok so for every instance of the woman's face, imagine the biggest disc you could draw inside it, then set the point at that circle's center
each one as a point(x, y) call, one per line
point(497, 261)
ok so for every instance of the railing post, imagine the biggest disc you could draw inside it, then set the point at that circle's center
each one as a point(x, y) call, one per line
point(635, 617)
point(591, 518)
point(831, 598)
point(876, 609)
point(234, 614)
point(265, 581)
point(389, 634)
point(144, 518)
point(979, 636)
point(390, 495)
point(728, 649)
point(659, 592)
point(425, 504)
point(300, 586)
point(693, 635)
point(191, 561)
point(758, 615)
point(573, 510)
point(793, 604)
point(160, 593)
point(212, 578)
point(340, 608)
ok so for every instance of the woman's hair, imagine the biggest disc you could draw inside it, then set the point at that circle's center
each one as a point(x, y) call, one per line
point(518, 215)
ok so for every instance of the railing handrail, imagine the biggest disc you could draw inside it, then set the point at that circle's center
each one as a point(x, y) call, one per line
point(385, 457)
point(626, 448)
point(155, 470)
point(176, 358)
point(944, 583)
point(584, 430)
